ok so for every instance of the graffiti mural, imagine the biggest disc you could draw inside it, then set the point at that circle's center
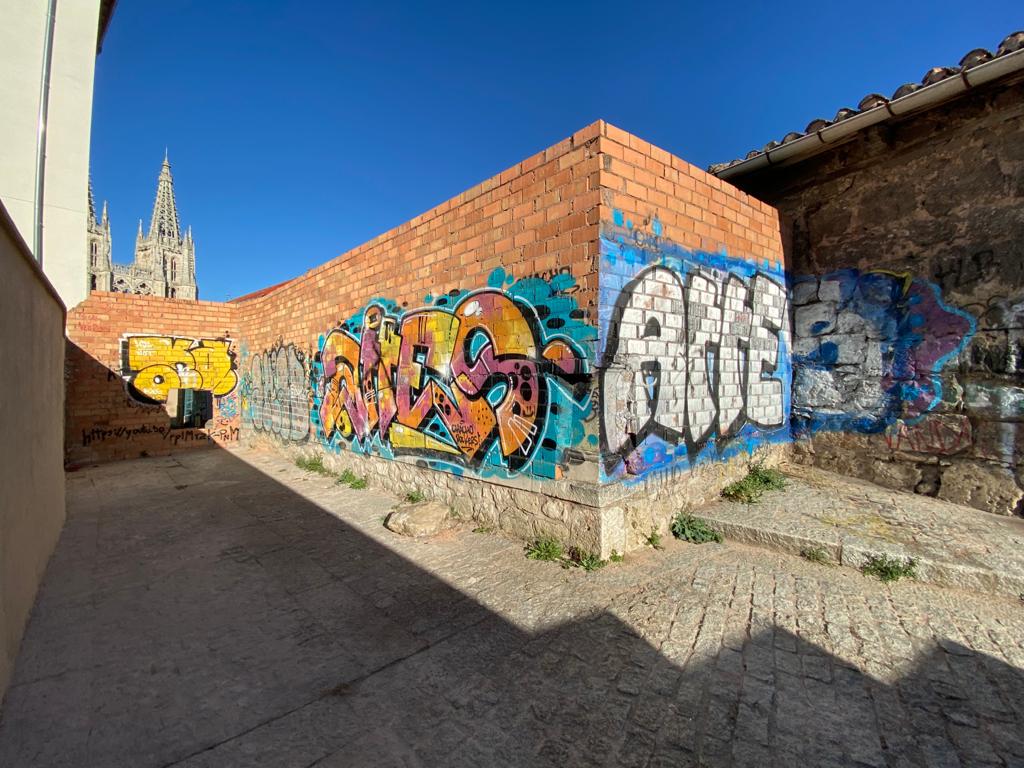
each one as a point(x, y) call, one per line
point(696, 361)
point(869, 349)
point(496, 380)
point(275, 393)
point(154, 365)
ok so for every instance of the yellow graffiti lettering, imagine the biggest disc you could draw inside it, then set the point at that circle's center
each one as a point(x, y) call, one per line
point(155, 365)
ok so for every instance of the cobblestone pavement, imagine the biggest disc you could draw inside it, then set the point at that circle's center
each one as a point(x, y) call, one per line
point(222, 608)
point(850, 519)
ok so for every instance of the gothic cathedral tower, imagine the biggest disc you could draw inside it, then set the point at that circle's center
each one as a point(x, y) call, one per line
point(101, 267)
point(165, 261)
point(164, 254)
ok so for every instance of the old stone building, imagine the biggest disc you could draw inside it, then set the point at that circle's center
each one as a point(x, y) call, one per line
point(165, 260)
point(906, 261)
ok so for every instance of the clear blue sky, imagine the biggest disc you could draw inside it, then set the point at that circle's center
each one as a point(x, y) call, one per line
point(298, 130)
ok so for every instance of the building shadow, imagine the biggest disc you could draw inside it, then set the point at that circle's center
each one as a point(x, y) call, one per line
point(199, 611)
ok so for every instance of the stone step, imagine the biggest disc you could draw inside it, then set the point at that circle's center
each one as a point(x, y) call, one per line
point(851, 520)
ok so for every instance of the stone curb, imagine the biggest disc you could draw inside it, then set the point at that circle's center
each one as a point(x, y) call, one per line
point(853, 553)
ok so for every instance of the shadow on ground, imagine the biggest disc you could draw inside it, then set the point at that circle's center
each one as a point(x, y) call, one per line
point(198, 612)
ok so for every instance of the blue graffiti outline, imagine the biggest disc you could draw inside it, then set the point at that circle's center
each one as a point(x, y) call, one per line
point(624, 254)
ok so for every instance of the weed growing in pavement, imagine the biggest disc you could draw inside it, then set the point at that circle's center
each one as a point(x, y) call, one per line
point(578, 558)
point(313, 464)
point(552, 550)
point(615, 557)
point(654, 539)
point(888, 568)
point(693, 529)
point(752, 487)
point(414, 497)
point(816, 555)
point(545, 549)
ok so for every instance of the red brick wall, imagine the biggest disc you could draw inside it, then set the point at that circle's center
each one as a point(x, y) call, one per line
point(696, 210)
point(105, 420)
point(538, 218)
point(693, 315)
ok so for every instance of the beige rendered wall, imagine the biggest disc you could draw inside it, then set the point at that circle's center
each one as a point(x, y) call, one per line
point(31, 454)
point(69, 120)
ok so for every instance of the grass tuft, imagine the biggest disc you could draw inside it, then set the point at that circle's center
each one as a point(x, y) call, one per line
point(414, 497)
point(886, 568)
point(552, 550)
point(751, 488)
point(545, 549)
point(483, 529)
point(358, 484)
point(654, 539)
point(816, 555)
point(578, 558)
point(615, 557)
point(693, 529)
point(312, 464)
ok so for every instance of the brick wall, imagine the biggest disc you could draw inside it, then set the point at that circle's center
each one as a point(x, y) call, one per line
point(460, 340)
point(587, 324)
point(125, 354)
point(908, 272)
point(693, 315)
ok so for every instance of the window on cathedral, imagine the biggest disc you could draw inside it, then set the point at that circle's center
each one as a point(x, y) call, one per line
point(174, 270)
point(92, 282)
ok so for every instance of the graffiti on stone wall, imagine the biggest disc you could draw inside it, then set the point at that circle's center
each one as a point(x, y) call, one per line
point(695, 362)
point(869, 349)
point(154, 365)
point(495, 380)
point(275, 393)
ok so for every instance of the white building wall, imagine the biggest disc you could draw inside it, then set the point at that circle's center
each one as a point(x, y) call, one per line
point(65, 209)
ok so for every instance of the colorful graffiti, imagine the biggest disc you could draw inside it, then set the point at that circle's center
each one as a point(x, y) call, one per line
point(869, 348)
point(695, 362)
point(275, 393)
point(154, 365)
point(496, 380)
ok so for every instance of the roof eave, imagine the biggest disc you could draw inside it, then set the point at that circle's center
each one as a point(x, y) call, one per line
point(925, 98)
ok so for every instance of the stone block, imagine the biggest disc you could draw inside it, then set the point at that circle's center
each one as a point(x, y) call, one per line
point(814, 319)
point(899, 475)
point(1000, 441)
point(830, 290)
point(994, 400)
point(805, 292)
point(985, 486)
point(424, 518)
point(850, 348)
point(850, 322)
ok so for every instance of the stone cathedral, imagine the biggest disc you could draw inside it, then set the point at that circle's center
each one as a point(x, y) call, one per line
point(165, 261)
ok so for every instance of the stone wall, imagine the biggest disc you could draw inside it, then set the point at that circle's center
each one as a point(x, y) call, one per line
point(31, 404)
point(908, 290)
point(129, 360)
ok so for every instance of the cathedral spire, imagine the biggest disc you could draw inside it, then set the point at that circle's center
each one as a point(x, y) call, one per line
point(92, 204)
point(165, 212)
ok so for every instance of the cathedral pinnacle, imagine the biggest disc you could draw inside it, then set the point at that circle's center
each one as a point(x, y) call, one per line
point(165, 211)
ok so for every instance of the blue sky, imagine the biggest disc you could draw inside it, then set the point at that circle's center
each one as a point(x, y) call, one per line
point(298, 130)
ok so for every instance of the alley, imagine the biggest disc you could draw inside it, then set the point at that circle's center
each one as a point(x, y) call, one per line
point(224, 608)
